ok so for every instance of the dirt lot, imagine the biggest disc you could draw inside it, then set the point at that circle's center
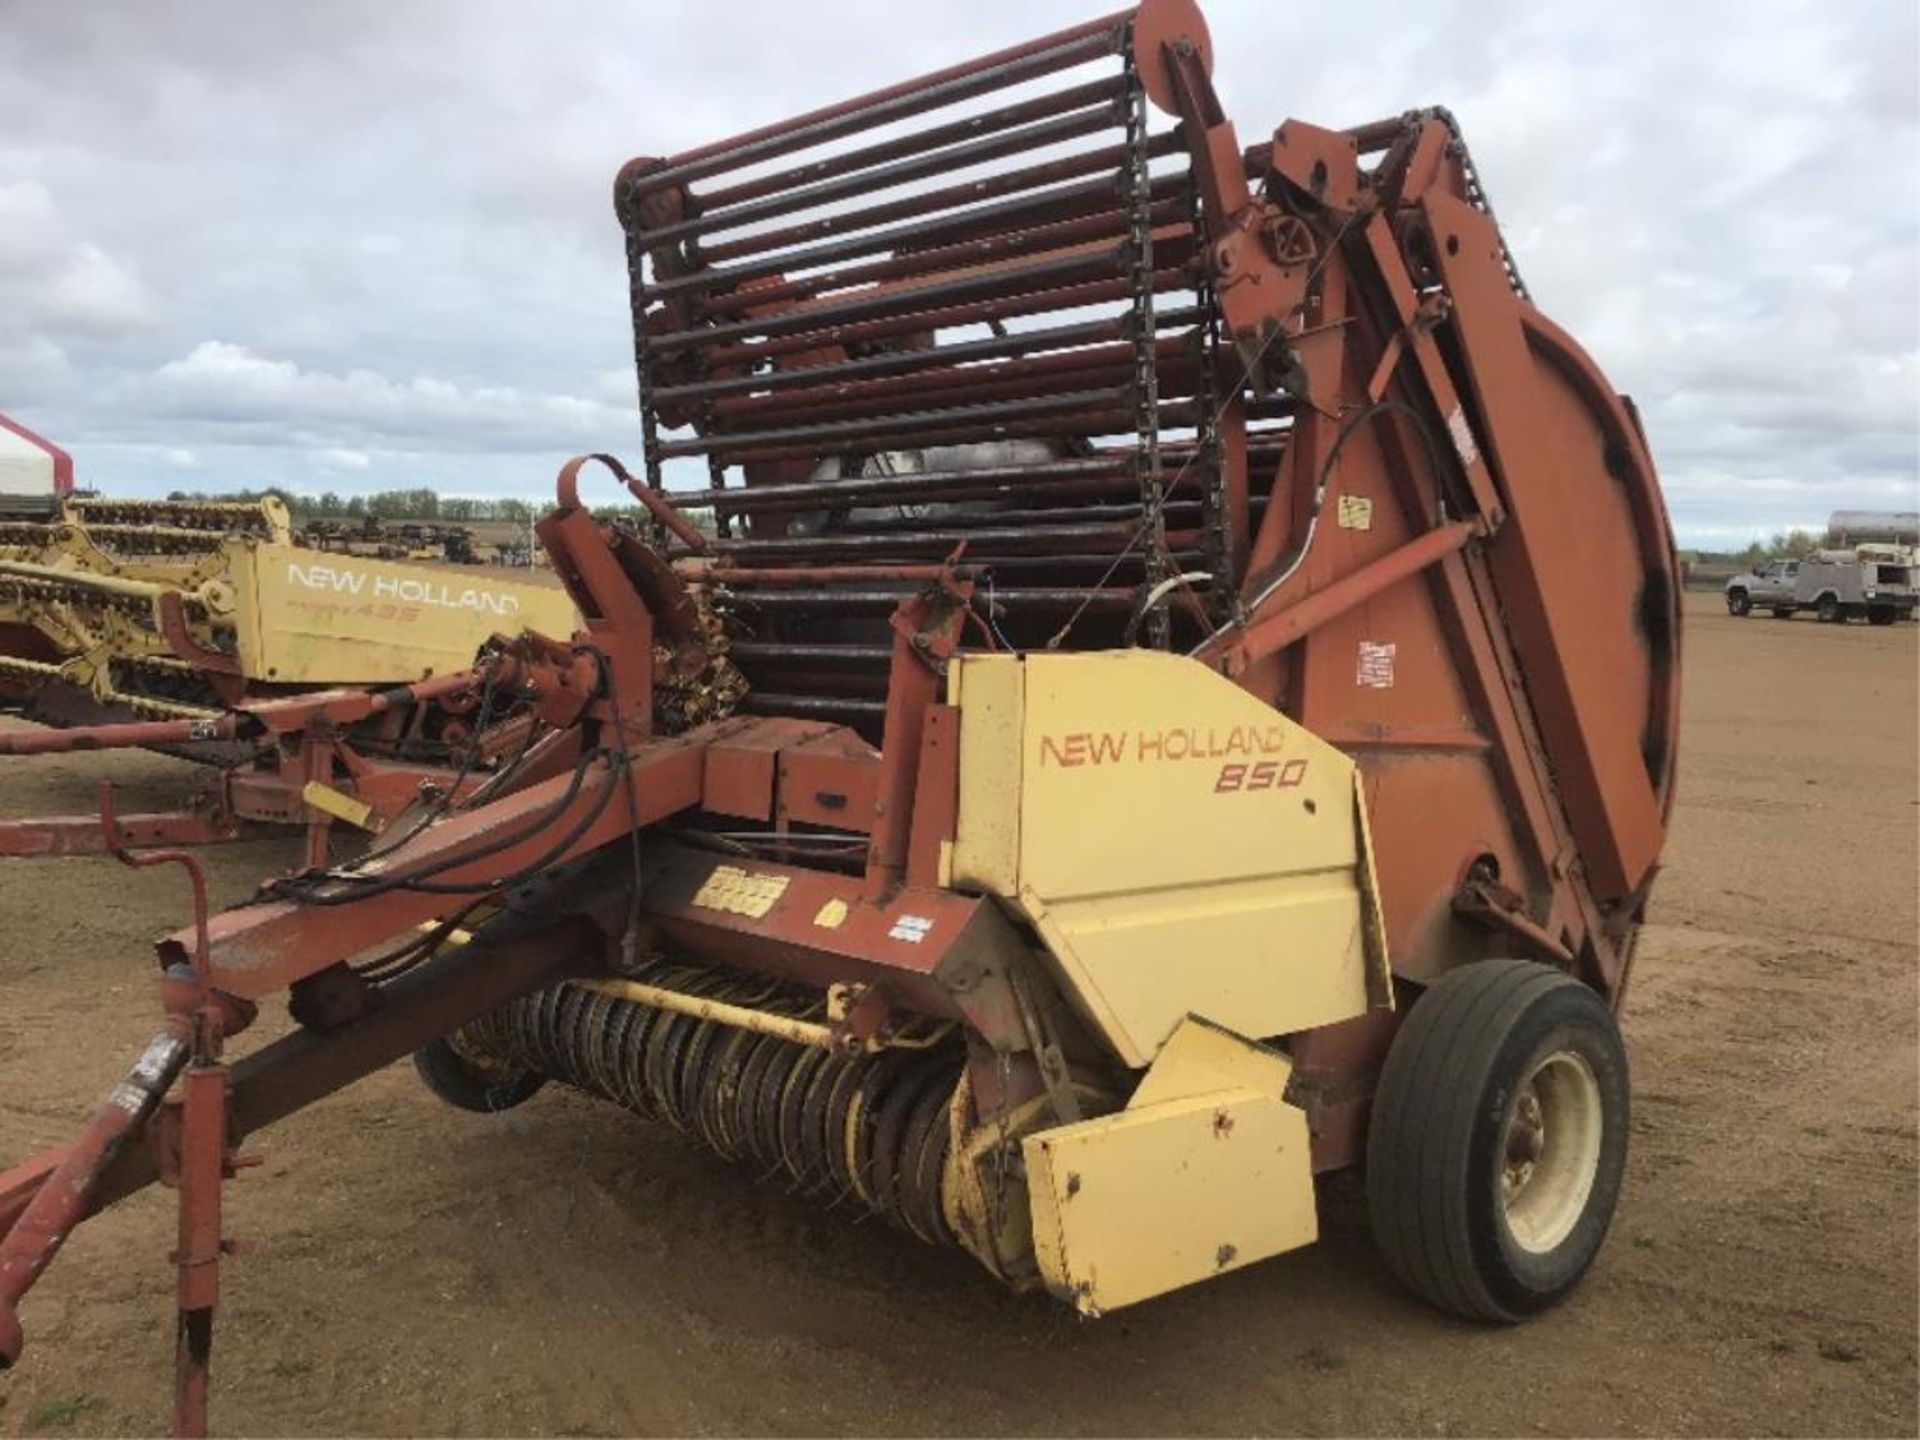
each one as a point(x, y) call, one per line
point(566, 1269)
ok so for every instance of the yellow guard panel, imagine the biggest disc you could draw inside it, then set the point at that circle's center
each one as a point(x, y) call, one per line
point(1178, 845)
point(325, 619)
point(1206, 1170)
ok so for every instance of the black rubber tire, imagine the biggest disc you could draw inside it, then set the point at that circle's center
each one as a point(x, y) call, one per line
point(466, 1086)
point(1828, 609)
point(1881, 615)
point(1738, 602)
point(1435, 1143)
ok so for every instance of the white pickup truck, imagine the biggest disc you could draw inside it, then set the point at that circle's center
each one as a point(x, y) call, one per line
point(1874, 582)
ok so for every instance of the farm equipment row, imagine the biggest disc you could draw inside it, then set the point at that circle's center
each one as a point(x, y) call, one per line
point(205, 631)
point(1181, 698)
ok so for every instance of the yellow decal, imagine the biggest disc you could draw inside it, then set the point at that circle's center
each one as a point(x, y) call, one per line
point(341, 807)
point(1356, 512)
point(832, 915)
point(736, 892)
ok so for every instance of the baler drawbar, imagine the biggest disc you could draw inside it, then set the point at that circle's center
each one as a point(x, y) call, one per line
point(1179, 697)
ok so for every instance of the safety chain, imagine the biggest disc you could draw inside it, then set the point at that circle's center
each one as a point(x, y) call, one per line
point(1476, 193)
point(1146, 377)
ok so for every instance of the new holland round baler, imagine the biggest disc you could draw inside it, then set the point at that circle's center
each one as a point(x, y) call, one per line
point(1178, 696)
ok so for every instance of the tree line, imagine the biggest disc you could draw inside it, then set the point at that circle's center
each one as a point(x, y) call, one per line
point(418, 504)
point(1795, 544)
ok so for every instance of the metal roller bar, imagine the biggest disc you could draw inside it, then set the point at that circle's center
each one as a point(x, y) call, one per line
point(1022, 342)
point(1039, 302)
point(1004, 380)
point(1056, 520)
point(872, 409)
point(811, 492)
point(764, 702)
point(1110, 422)
point(954, 132)
point(29, 669)
point(827, 437)
point(1054, 206)
point(1067, 478)
point(828, 682)
point(118, 536)
point(1065, 597)
point(1013, 279)
point(1024, 569)
point(930, 202)
point(974, 223)
point(1023, 540)
point(82, 581)
point(727, 573)
point(998, 245)
point(768, 500)
point(1073, 126)
point(720, 1012)
point(749, 650)
point(1001, 70)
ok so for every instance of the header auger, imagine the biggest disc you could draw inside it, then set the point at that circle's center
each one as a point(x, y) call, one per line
point(1181, 697)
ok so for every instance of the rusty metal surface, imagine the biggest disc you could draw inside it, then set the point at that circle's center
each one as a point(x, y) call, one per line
point(1364, 522)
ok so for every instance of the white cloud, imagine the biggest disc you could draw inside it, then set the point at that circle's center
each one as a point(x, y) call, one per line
point(223, 385)
point(56, 285)
point(1717, 198)
point(32, 367)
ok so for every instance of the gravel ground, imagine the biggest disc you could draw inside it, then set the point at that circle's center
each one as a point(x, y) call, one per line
point(565, 1269)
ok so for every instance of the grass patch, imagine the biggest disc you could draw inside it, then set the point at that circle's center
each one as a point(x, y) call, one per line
point(63, 1412)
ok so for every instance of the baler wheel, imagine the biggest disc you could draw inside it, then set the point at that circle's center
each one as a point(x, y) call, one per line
point(480, 1086)
point(1498, 1139)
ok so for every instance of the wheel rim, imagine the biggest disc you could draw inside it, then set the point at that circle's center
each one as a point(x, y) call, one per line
point(1550, 1152)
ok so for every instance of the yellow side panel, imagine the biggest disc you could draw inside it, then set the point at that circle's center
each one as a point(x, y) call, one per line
point(1179, 1186)
point(986, 848)
point(1271, 956)
point(1201, 1057)
point(312, 618)
point(1178, 845)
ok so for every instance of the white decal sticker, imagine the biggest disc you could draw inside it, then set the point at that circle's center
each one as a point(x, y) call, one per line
point(910, 928)
point(1462, 437)
point(1356, 512)
point(1376, 665)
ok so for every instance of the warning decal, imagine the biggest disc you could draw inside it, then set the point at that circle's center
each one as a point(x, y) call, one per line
point(1376, 665)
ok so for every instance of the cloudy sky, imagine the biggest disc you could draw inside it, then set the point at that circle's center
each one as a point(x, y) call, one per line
point(364, 245)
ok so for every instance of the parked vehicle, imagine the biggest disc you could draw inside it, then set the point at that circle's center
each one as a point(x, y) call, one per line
point(1874, 582)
